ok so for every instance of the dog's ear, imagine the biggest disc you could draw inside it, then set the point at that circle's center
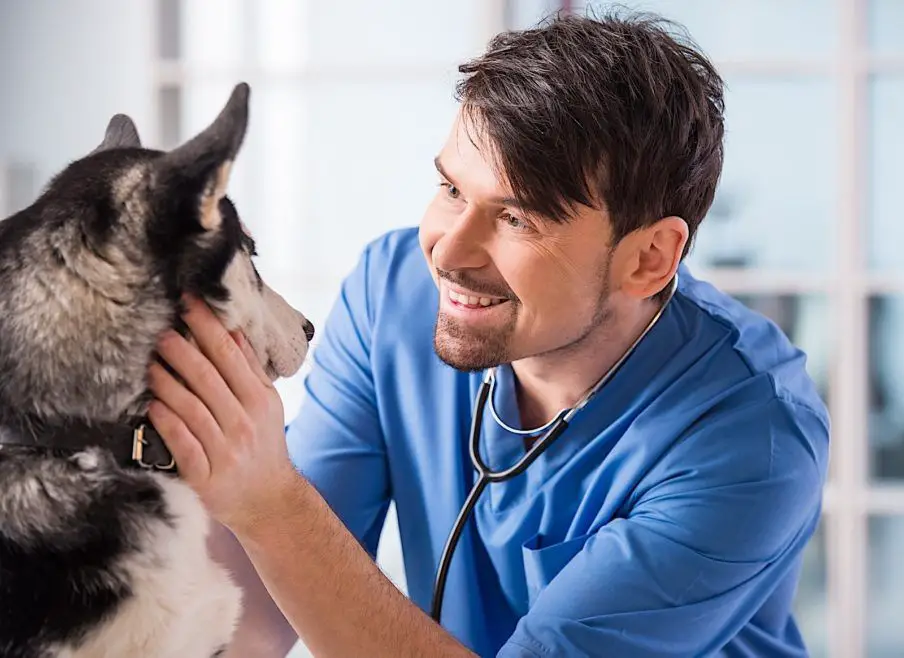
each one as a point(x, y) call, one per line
point(121, 133)
point(201, 166)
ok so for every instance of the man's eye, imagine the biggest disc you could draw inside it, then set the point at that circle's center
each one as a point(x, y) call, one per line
point(451, 191)
point(514, 222)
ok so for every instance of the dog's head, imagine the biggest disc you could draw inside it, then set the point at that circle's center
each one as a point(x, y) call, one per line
point(93, 271)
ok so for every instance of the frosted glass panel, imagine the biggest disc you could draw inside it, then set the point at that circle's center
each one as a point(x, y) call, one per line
point(885, 595)
point(402, 32)
point(281, 32)
point(213, 33)
point(777, 202)
point(370, 150)
point(885, 379)
point(19, 187)
point(277, 163)
point(762, 29)
point(886, 26)
point(521, 14)
point(886, 162)
point(169, 16)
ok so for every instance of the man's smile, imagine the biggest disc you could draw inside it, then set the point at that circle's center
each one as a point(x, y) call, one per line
point(468, 304)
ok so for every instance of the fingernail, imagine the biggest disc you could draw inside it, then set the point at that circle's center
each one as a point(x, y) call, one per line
point(155, 412)
point(168, 336)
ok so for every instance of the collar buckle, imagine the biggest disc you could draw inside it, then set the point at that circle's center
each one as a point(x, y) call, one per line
point(138, 443)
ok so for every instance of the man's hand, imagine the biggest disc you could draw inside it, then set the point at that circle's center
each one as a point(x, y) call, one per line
point(225, 430)
point(225, 425)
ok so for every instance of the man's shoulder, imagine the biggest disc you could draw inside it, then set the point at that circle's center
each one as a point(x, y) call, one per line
point(744, 385)
point(735, 402)
point(753, 342)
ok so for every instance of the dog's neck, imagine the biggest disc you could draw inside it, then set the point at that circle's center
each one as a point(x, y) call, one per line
point(104, 400)
point(77, 331)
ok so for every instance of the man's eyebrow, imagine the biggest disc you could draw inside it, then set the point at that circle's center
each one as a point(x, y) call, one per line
point(439, 168)
point(521, 204)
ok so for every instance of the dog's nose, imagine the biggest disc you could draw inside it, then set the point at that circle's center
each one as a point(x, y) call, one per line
point(309, 330)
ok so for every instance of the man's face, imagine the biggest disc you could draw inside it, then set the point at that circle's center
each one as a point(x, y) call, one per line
point(512, 284)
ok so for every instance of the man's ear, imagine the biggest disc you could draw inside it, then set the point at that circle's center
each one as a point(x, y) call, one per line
point(121, 133)
point(650, 256)
point(199, 169)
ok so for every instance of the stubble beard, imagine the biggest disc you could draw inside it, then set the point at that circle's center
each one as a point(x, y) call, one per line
point(471, 350)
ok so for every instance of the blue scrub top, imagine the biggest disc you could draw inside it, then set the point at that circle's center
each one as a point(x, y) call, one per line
point(668, 520)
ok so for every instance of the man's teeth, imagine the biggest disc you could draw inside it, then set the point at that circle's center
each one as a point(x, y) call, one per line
point(473, 301)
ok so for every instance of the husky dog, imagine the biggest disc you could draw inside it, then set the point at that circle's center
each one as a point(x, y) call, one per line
point(102, 547)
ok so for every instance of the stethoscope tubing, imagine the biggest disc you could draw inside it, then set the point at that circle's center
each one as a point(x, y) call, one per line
point(486, 475)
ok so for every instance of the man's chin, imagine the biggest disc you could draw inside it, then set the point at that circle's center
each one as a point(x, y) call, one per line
point(466, 348)
point(462, 364)
point(467, 356)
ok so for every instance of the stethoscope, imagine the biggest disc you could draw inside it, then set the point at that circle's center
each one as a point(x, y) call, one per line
point(486, 475)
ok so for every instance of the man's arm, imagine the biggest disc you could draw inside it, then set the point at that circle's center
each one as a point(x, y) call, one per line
point(339, 601)
point(262, 630)
point(707, 542)
point(335, 440)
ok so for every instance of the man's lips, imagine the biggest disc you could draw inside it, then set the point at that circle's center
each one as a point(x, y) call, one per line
point(469, 305)
point(472, 299)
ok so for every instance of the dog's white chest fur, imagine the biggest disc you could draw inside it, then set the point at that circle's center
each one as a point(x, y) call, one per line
point(184, 605)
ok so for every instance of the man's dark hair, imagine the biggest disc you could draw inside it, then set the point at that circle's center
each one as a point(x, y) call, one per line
point(619, 109)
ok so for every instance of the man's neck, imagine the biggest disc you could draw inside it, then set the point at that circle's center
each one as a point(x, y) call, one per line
point(549, 383)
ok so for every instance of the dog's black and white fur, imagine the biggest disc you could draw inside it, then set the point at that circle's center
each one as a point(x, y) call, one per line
point(102, 556)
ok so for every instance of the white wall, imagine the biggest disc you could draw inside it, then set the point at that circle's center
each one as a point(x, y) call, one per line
point(65, 68)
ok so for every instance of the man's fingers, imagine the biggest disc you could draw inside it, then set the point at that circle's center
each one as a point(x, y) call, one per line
point(203, 379)
point(191, 412)
point(253, 362)
point(191, 460)
point(220, 348)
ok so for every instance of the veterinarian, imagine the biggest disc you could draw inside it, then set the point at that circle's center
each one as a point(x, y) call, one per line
point(669, 515)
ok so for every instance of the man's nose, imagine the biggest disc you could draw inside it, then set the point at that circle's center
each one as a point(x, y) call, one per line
point(463, 245)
